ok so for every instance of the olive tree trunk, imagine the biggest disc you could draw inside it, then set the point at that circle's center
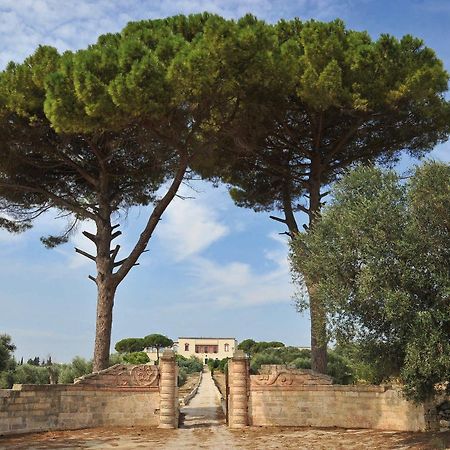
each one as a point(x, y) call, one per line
point(316, 308)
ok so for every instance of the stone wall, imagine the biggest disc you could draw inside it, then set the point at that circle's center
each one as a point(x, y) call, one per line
point(335, 406)
point(279, 396)
point(289, 397)
point(119, 396)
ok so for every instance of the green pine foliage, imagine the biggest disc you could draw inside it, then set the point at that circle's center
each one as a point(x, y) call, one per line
point(95, 132)
point(129, 345)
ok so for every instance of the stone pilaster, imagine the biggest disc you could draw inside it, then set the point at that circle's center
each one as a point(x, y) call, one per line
point(238, 379)
point(168, 391)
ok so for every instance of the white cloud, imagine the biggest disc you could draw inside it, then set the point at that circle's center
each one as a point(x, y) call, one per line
point(189, 227)
point(237, 284)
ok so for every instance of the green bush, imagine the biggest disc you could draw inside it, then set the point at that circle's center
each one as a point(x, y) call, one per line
point(252, 347)
point(301, 363)
point(340, 369)
point(116, 358)
point(339, 366)
point(136, 358)
point(182, 376)
point(223, 365)
point(77, 368)
point(190, 365)
point(213, 364)
point(263, 358)
point(6, 379)
point(30, 374)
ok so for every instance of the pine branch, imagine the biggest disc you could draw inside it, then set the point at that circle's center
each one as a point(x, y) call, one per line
point(278, 219)
point(82, 252)
point(90, 236)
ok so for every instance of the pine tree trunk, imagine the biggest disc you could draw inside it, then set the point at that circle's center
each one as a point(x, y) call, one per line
point(106, 288)
point(105, 303)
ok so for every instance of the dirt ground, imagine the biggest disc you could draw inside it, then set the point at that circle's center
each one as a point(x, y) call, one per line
point(200, 437)
point(203, 427)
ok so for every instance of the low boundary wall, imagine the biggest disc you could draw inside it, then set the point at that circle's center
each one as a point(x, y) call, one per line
point(123, 395)
point(281, 396)
point(373, 407)
point(30, 408)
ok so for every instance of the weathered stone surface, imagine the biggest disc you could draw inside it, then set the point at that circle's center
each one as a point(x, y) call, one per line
point(334, 406)
point(69, 407)
point(118, 396)
point(168, 405)
point(121, 375)
point(238, 379)
point(279, 375)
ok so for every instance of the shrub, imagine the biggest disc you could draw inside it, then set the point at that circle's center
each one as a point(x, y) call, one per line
point(263, 358)
point(213, 364)
point(182, 376)
point(6, 379)
point(30, 374)
point(190, 365)
point(301, 363)
point(340, 368)
point(77, 368)
point(223, 365)
point(136, 358)
point(116, 358)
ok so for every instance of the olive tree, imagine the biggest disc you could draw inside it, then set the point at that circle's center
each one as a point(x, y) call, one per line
point(382, 254)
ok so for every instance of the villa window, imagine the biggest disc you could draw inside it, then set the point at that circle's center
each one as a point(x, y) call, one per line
point(186, 347)
point(227, 347)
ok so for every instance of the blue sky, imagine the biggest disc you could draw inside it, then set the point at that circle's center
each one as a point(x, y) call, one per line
point(212, 268)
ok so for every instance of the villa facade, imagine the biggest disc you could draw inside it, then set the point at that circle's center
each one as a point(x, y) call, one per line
point(203, 348)
point(206, 348)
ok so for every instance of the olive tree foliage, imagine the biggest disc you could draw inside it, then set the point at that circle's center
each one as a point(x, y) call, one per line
point(94, 132)
point(381, 253)
point(319, 98)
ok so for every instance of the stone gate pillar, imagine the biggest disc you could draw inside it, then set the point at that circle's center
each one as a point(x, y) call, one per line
point(168, 409)
point(238, 379)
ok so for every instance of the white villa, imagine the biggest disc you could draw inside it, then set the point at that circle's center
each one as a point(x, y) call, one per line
point(204, 348)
